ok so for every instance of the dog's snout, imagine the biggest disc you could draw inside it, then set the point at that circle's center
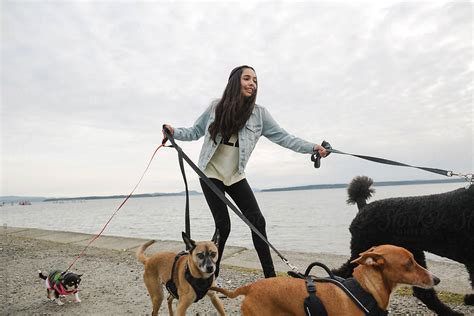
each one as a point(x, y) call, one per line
point(210, 269)
point(436, 280)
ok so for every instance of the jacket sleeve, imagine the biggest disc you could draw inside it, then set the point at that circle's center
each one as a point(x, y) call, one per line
point(197, 130)
point(278, 135)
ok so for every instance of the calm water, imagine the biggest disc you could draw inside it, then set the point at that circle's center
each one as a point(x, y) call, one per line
point(310, 221)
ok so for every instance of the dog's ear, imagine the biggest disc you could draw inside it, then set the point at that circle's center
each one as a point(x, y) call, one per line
point(215, 239)
point(190, 244)
point(370, 258)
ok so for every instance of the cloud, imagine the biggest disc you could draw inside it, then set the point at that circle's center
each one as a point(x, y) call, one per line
point(87, 85)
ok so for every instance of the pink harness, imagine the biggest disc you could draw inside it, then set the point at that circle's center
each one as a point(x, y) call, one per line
point(60, 289)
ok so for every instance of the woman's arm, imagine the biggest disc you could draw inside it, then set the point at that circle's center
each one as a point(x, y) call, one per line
point(278, 135)
point(196, 131)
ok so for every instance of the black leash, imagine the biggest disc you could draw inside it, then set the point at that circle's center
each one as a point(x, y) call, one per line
point(316, 158)
point(182, 156)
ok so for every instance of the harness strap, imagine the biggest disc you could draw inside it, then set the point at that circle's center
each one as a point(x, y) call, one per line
point(312, 304)
point(220, 194)
point(170, 285)
point(200, 286)
point(54, 282)
point(364, 297)
point(331, 279)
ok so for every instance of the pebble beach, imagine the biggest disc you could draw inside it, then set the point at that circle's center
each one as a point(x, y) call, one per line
point(112, 281)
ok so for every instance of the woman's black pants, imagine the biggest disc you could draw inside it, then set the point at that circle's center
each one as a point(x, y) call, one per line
point(243, 196)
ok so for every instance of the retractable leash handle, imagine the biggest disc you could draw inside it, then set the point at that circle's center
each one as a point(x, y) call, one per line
point(316, 157)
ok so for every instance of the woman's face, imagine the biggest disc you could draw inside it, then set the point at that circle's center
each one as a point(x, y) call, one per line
point(248, 82)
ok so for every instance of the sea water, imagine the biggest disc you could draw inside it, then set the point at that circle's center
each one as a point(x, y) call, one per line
point(305, 220)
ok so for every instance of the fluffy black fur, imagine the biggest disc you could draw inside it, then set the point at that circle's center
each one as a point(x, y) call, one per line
point(442, 224)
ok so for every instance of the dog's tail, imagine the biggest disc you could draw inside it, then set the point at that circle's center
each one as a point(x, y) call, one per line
point(141, 251)
point(360, 191)
point(243, 290)
point(41, 275)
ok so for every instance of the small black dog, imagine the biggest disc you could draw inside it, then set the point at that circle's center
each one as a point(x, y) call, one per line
point(61, 284)
point(442, 224)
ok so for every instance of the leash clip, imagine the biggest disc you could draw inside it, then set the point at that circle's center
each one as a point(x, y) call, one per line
point(468, 177)
point(294, 268)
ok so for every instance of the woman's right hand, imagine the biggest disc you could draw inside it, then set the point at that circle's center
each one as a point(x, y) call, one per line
point(169, 128)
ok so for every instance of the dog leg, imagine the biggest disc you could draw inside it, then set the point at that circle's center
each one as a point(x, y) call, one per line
point(428, 296)
point(170, 304)
point(431, 300)
point(76, 298)
point(216, 302)
point(155, 290)
point(48, 295)
point(183, 304)
point(469, 298)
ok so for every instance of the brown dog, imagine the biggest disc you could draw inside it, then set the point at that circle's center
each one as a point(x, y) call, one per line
point(193, 274)
point(380, 270)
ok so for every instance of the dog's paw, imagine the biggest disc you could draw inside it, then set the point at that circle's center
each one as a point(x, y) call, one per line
point(77, 300)
point(59, 302)
point(469, 299)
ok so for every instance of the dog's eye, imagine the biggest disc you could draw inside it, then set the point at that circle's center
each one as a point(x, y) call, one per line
point(213, 254)
point(200, 255)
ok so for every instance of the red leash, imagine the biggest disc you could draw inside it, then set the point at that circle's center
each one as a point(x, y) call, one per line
point(126, 199)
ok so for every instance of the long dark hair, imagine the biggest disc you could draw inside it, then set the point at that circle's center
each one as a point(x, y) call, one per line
point(233, 110)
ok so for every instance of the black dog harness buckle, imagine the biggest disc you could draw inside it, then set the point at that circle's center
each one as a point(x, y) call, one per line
point(200, 286)
point(313, 305)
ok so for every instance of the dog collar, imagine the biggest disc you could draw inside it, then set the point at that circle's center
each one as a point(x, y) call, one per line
point(364, 297)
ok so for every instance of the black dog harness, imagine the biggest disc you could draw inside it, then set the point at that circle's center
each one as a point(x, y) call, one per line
point(313, 305)
point(364, 297)
point(200, 286)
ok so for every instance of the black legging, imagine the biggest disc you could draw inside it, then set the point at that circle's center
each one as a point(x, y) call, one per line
point(243, 196)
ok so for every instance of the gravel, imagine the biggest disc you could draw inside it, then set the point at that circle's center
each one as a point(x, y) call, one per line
point(112, 283)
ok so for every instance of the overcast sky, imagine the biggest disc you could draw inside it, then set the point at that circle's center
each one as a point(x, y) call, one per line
point(86, 86)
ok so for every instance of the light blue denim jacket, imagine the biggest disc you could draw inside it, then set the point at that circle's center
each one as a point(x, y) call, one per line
point(259, 123)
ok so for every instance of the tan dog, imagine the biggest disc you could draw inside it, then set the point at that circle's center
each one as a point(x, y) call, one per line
point(193, 274)
point(380, 270)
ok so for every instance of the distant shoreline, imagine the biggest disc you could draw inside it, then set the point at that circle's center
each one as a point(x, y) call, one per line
point(16, 199)
point(344, 185)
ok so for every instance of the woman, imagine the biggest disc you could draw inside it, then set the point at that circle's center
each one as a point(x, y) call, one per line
point(231, 128)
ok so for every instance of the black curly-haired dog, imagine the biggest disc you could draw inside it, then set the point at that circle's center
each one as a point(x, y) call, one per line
point(442, 224)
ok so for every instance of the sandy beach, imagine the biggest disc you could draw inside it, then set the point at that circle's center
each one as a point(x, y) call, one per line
point(112, 280)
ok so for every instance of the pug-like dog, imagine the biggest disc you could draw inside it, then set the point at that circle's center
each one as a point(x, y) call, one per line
point(59, 284)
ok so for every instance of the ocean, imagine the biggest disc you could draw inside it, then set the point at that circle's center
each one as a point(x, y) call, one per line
point(306, 220)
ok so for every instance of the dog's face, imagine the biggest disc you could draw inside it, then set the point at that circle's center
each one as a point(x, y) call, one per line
point(71, 281)
point(204, 253)
point(398, 265)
